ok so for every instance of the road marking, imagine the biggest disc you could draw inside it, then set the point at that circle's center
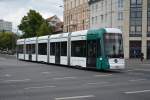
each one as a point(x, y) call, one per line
point(136, 80)
point(7, 75)
point(102, 75)
point(63, 78)
point(134, 92)
point(138, 69)
point(75, 97)
point(39, 87)
point(130, 70)
point(135, 73)
point(142, 69)
point(25, 80)
point(45, 72)
point(97, 83)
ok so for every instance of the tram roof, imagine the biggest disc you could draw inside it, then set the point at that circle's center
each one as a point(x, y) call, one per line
point(31, 39)
point(43, 37)
point(20, 41)
point(112, 30)
point(61, 35)
point(79, 33)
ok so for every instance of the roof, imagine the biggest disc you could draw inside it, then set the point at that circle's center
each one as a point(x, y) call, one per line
point(50, 18)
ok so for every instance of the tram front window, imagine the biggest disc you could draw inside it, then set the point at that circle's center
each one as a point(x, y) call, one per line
point(113, 45)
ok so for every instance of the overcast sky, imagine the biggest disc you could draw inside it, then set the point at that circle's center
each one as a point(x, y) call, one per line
point(14, 10)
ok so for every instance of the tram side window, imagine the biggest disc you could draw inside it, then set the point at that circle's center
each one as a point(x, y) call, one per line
point(27, 48)
point(52, 48)
point(78, 48)
point(42, 48)
point(20, 48)
point(63, 48)
point(32, 49)
point(93, 48)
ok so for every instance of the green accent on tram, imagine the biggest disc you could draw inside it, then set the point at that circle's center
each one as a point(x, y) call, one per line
point(101, 61)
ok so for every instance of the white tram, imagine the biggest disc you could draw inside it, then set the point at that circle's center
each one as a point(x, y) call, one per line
point(100, 49)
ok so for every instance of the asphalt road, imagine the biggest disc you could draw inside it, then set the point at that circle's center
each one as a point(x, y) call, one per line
point(21, 80)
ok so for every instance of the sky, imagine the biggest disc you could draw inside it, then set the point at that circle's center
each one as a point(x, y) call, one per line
point(14, 10)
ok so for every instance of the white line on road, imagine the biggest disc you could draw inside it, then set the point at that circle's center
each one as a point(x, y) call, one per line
point(7, 75)
point(25, 80)
point(135, 73)
point(39, 87)
point(45, 72)
point(130, 70)
point(97, 83)
point(140, 69)
point(75, 97)
point(63, 78)
point(134, 92)
point(102, 75)
point(136, 80)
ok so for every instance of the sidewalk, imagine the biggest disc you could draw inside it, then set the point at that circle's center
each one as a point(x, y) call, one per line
point(137, 61)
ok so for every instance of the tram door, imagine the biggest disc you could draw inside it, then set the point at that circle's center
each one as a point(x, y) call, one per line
point(57, 54)
point(92, 48)
point(148, 49)
point(30, 52)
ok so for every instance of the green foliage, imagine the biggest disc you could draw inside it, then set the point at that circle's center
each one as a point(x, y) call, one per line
point(7, 41)
point(44, 29)
point(32, 24)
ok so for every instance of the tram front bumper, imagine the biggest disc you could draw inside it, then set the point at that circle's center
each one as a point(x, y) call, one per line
point(117, 63)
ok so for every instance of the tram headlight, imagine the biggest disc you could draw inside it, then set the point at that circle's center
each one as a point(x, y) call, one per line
point(100, 59)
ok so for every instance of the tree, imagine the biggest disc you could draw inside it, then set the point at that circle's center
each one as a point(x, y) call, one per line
point(44, 29)
point(31, 23)
point(7, 41)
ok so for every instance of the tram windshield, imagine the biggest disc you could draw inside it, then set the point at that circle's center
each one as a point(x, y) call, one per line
point(113, 45)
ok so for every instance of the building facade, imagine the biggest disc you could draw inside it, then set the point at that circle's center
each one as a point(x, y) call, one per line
point(76, 15)
point(5, 26)
point(131, 16)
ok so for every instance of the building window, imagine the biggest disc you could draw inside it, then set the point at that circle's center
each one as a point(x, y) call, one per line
point(75, 3)
point(135, 18)
point(96, 20)
point(102, 18)
point(102, 5)
point(120, 27)
point(96, 7)
point(148, 18)
point(133, 2)
point(120, 3)
point(93, 7)
point(92, 20)
point(105, 17)
point(120, 15)
point(135, 49)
